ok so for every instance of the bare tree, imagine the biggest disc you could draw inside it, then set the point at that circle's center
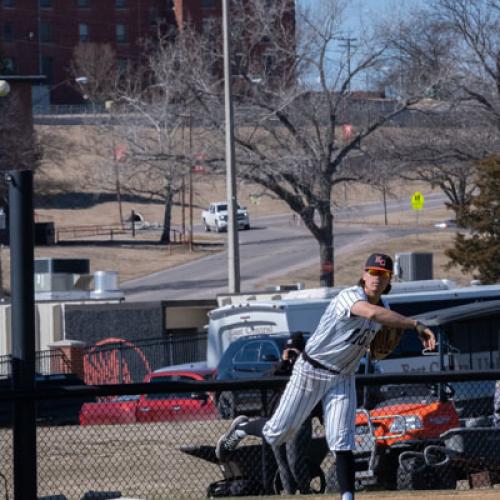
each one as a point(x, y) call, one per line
point(18, 146)
point(292, 91)
point(157, 128)
point(96, 62)
point(456, 42)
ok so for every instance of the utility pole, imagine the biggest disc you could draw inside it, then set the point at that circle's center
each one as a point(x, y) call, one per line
point(39, 36)
point(232, 230)
point(21, 234)
point(348, 45)
point(190, 180)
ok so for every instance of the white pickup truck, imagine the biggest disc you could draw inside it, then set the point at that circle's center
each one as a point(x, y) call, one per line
point(215, 218)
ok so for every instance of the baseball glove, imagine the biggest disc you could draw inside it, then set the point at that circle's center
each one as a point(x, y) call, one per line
point(385, 341)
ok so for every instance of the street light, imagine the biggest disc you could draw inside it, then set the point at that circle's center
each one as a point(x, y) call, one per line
point(4, 88)
point(81, 80)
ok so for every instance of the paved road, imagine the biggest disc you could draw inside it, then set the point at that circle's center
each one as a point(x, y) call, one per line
point(272, 247)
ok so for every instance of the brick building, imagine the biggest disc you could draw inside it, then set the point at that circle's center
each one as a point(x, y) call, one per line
point(38, 37)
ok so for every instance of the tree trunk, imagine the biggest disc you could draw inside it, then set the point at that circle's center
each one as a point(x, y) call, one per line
point(167, 215)
point(326, 256)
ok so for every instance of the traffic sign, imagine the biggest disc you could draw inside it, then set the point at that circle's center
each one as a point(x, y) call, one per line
point(417, 201)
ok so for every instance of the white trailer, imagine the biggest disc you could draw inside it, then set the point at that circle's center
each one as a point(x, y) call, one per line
point(230, 322)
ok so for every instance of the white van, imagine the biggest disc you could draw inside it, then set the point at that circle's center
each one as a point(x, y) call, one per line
point(233, 321)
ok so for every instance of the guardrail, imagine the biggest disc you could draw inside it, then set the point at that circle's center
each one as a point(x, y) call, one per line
point(65, 233)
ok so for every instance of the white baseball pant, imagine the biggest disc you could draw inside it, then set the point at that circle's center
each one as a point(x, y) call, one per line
point(307, 386)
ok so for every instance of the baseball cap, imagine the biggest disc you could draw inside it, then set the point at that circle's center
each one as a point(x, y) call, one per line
point(379, 261)
point(296, 341)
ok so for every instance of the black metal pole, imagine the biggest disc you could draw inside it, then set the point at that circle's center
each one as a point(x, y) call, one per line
point(21, 234)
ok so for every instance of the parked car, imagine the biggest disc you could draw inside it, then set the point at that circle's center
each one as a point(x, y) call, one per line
point(249, 357)
point(254, 356)
point(449, 223)
point(399, 430)
point(216, 217)
point(159, 407)
point(49, 412)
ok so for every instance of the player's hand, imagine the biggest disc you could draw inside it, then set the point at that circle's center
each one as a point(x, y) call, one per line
point(428, 339)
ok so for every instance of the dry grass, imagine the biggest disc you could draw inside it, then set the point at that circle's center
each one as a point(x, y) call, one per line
point(132, 260)
point(145, 461)
point(349, 260)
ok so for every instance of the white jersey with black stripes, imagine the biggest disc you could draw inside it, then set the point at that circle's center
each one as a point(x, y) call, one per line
point(341, 338)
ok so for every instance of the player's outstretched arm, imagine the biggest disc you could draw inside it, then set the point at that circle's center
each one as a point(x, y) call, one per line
point(393, 319)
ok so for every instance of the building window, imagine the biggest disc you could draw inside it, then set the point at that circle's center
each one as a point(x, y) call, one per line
point(83, 4)
point(121, 4)
point(48, 69)
point(83, 32)
point(153, 16)
point(7, 66)
point(122, 65)
point(8, 3)
point(45, 32)
point(7, 32)
point(209, 27)
point(208, 4)
point(121, 33)
point(45, 3)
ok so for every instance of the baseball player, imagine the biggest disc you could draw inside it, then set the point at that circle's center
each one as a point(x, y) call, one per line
point(325, 370)
point(290, 457)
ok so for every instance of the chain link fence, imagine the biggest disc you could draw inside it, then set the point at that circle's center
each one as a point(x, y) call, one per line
point(157, 441)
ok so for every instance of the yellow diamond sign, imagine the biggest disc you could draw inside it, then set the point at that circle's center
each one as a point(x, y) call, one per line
point(417, 201)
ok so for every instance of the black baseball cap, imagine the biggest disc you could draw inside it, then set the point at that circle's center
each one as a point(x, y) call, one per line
point(296, 341)
point(379, 261)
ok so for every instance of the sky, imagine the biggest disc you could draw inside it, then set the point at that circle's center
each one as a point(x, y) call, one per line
point(360, 13)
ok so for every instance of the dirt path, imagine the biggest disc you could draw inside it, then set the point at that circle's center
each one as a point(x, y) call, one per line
point(402, 495)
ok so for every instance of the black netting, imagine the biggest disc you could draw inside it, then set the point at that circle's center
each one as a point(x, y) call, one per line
point(426, 435)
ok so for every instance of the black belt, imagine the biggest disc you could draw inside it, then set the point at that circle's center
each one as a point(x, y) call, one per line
point(317, 364)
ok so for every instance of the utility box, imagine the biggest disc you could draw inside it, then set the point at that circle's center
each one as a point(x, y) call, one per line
point(45, 234)
point(413, 266)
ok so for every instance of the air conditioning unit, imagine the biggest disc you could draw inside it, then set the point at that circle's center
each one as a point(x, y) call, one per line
point(54, 277)
point(412, 266)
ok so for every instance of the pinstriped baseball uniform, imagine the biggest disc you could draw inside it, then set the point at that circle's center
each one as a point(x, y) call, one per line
point(338, 344)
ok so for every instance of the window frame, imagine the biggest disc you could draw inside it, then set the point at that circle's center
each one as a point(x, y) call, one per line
point(45, 32)
point(7, 32)
point(83, 37)
point(121, 38)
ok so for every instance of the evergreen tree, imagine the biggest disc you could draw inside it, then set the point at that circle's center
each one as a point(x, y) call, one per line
point(479, 251)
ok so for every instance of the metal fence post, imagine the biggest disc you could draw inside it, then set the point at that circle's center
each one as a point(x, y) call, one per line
point(21, 233)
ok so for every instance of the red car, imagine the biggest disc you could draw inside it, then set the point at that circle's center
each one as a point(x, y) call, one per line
point(159, 407)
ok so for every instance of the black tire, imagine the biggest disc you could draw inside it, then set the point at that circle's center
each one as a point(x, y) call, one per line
point(247, 227)
point(317, 483)
point(207, 227)
point(332, 483)
point(446, 478)
point(415, 475)
point(226, 405)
